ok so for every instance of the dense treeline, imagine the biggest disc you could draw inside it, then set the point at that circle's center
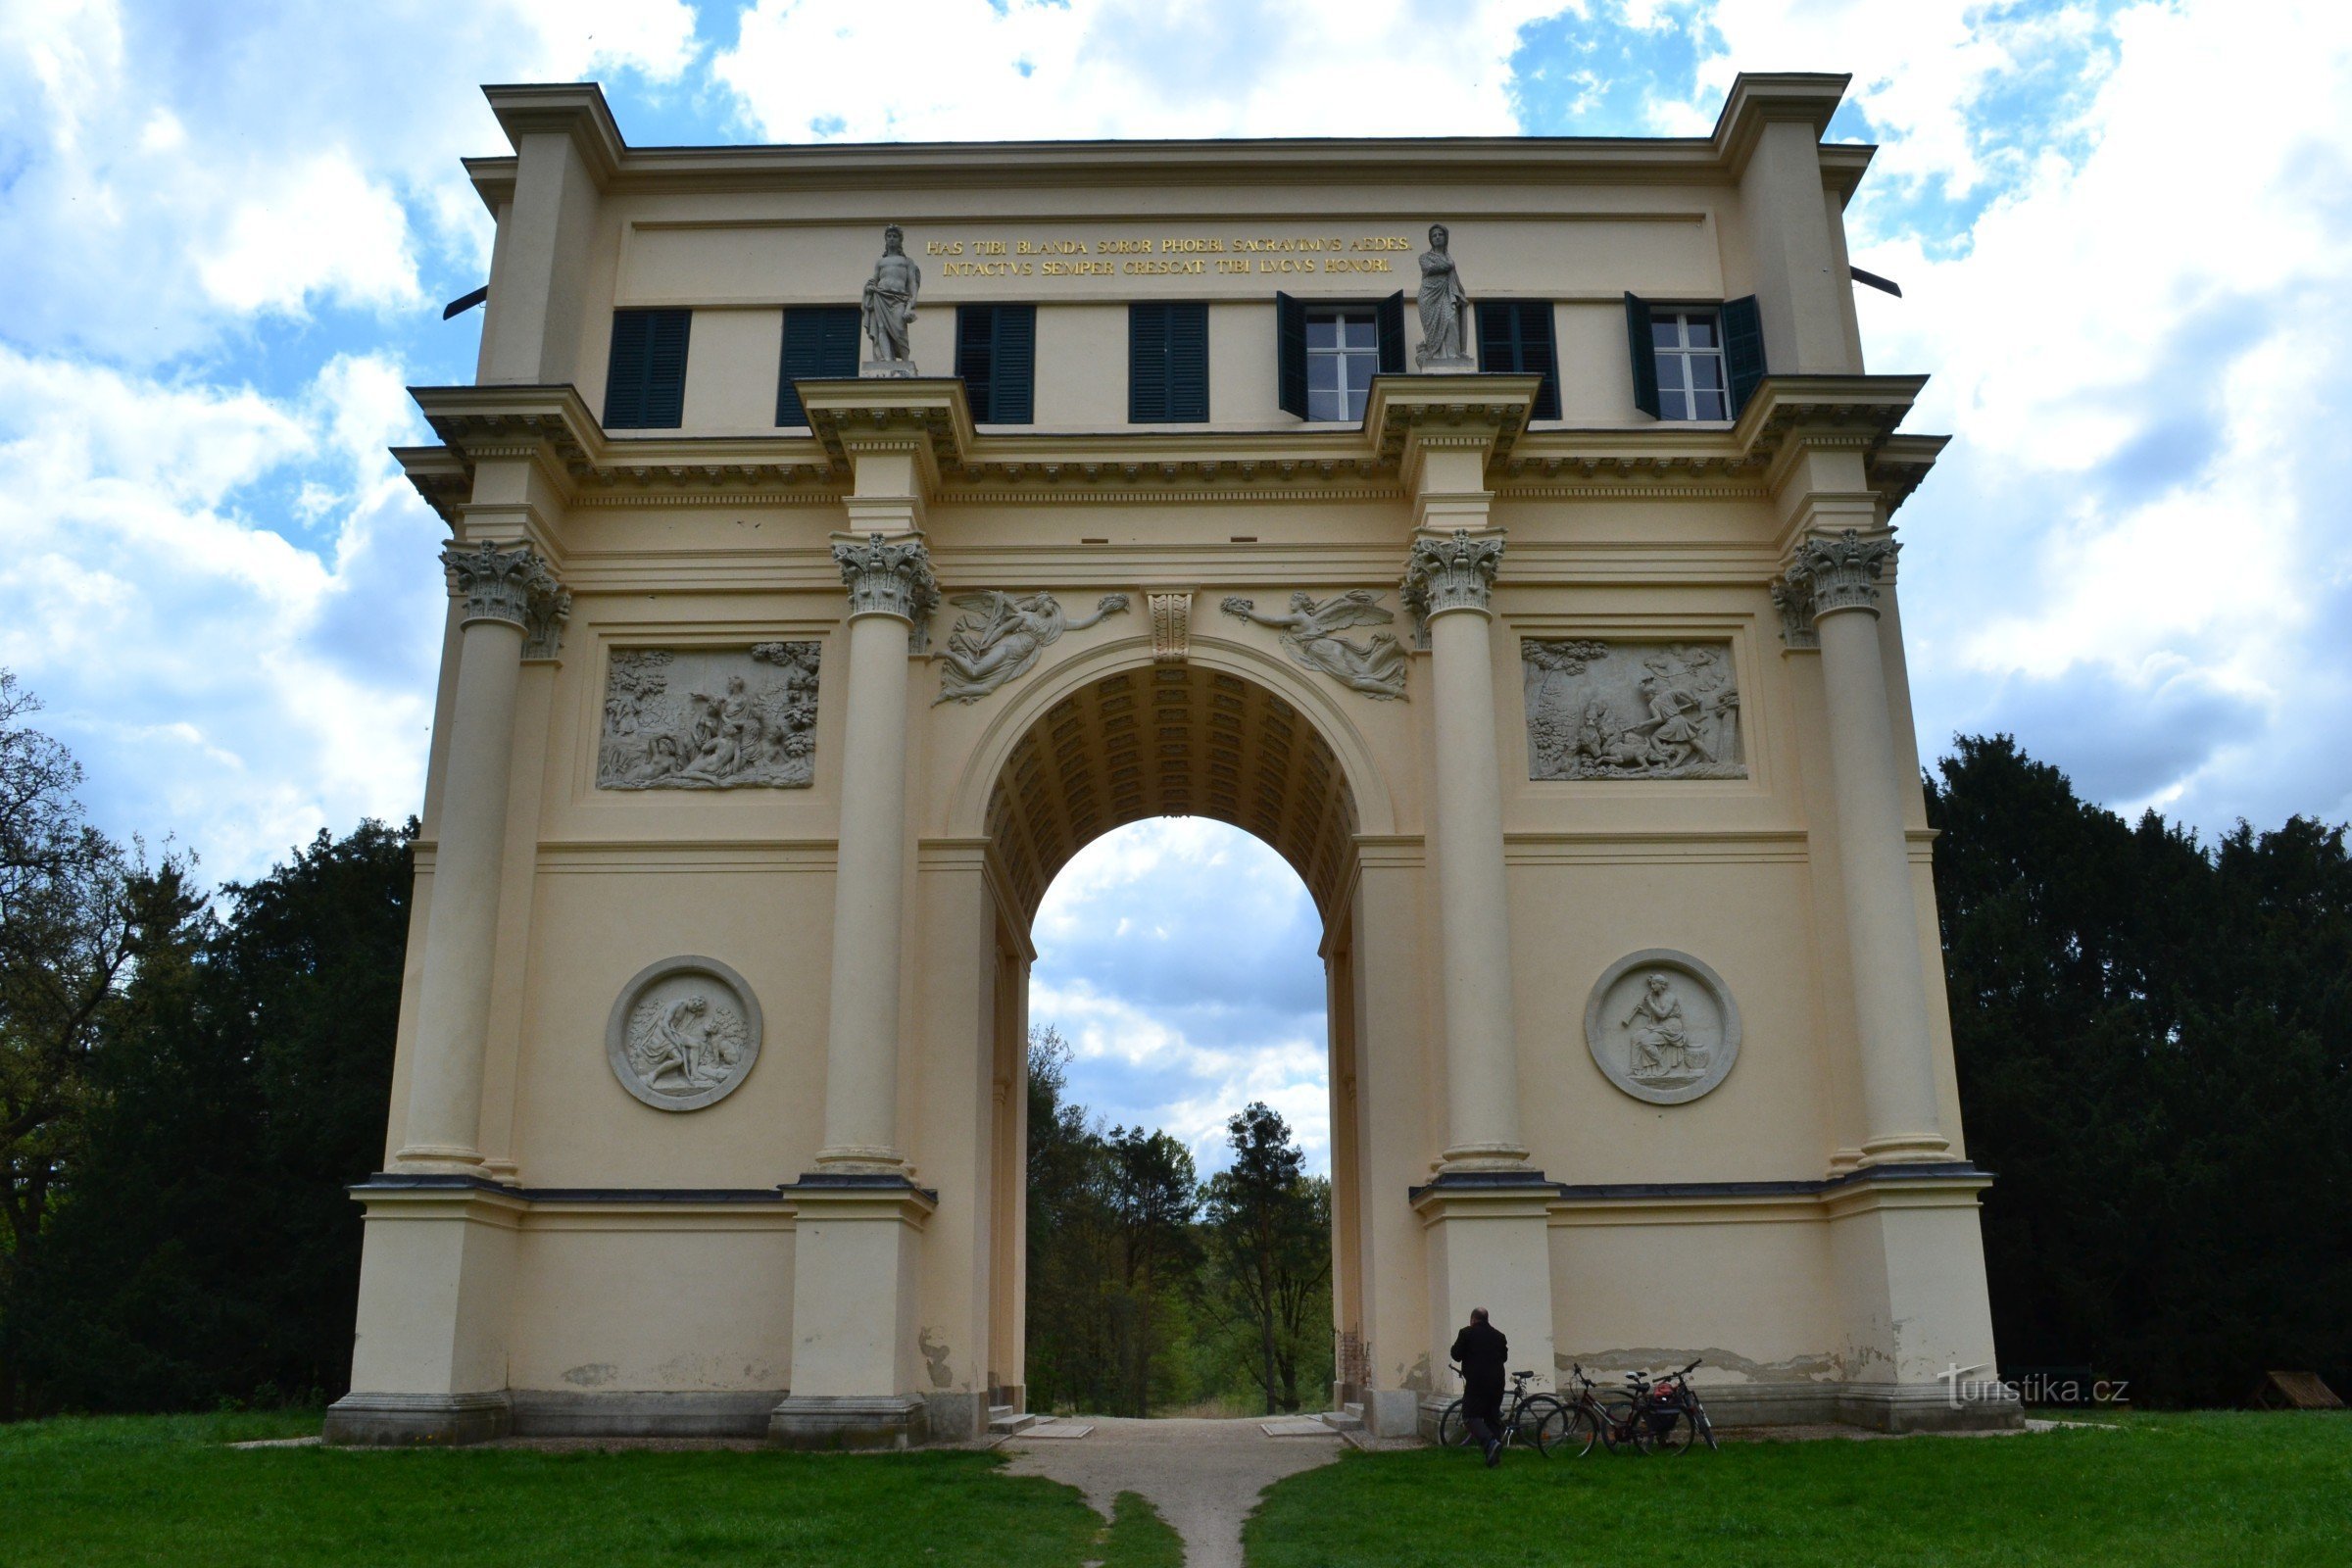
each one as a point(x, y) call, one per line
point(2154, 1038)
point(2155, 1055)
point(1151, 1290)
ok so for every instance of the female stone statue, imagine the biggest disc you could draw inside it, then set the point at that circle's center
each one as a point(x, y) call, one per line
point(1444, 308)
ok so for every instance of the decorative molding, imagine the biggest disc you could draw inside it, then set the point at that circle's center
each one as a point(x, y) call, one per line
point(685, 718)
point(886, 577)
point(1310, 635)
point(684, 1034)
point(1631, 710)
point(1000, 637)
point(511, 584)
point(1451, 571)
point(543, 623)
point(1662, 1027)
point(1171, 627)
point(1826, 575)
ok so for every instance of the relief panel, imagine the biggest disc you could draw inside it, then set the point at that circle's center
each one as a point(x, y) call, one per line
point(709, 719)
point(1620, 709)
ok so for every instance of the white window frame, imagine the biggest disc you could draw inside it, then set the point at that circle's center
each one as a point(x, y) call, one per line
point(1352, 395)
point(1678, 362)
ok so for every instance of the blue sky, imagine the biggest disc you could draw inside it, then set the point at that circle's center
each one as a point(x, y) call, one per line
point(2124, 233)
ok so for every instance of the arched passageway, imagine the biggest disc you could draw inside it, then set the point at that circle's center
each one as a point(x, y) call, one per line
point(1165, 740)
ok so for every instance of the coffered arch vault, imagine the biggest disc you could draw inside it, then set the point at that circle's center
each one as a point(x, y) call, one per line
point(1112, 738)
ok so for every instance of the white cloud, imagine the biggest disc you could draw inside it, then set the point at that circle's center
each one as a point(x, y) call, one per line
point(213, 674)
point(324, 230)
point(806, 69)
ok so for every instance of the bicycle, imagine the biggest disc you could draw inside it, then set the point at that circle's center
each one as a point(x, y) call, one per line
point(1673, 1415)
point(1587, 1419)
point(1524, 1418)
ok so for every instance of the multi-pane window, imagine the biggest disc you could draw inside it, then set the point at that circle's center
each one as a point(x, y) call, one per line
point(1343, 355)
point(1689, 350)
point(1695, 361)
point(820, 343)
point(995, 354)
point(644, 379)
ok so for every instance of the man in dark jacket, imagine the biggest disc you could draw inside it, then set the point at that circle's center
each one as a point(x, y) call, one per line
point(1483, 1352)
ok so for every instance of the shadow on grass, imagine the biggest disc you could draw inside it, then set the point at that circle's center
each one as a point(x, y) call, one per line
point(166, 1490)
point(2218, 1488)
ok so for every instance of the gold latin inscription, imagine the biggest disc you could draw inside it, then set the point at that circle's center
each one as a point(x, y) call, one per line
point(1168, 256)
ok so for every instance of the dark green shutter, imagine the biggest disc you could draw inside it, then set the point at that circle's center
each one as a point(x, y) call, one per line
point(1514, 337)
point(976, 358)
point(1289, 355)
point(820, 342)
point(995, 354)
point(645, 378)
point(1168, 363)
point(1644, 351)
point(1742, 349)
point(1391, 334)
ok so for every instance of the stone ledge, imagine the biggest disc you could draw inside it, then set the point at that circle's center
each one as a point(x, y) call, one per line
point(417, 1420)
point(850, 1421)
point(633, 1414)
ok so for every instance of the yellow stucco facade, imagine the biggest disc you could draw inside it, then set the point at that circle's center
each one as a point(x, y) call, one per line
point(757, 744)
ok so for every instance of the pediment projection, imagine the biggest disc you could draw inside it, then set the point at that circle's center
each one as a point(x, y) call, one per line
point(1171, 741)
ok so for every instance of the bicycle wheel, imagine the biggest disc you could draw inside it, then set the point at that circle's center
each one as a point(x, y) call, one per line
point(1452, 1431)
point(1706, 1428)
point(1570, 1427)
point(1673, 1429)
point(1536, 1409)
point(1618, 1428)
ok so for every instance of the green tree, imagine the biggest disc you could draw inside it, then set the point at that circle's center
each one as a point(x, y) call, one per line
point(1269, 1227)
point(67, 937)
point(1152, 1198)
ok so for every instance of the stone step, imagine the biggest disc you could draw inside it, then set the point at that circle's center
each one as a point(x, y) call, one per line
point(1004, 1421)
point(1350, 1419)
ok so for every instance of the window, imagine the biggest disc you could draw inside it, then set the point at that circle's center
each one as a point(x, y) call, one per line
point(1690, 384)
point(1168, 363)
point(645, 380)
point(1326, 353)
point(820, 341)
point(995, 354)
point(1514, 337)
point(1695, 361)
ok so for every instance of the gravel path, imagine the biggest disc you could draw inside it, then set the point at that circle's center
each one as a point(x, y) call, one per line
point(1203, 1476)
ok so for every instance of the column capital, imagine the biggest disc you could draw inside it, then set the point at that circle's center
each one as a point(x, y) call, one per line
point(1451, 571)
point(512, 584)
point(887, 576)
point(1828, 574)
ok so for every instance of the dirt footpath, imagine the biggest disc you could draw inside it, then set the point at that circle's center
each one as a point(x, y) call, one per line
point(1203, 1476)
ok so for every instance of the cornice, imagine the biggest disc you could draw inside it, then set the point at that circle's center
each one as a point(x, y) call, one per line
point(580, 110)
point(1365, 462)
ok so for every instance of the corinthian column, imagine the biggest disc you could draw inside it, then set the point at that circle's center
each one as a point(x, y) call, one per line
point(1448, 580)
point(1832, 584)
point(507, 592)
point(890, 588)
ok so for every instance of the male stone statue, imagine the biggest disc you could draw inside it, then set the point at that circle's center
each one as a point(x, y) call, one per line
point(888, 308)
point(1444, 308)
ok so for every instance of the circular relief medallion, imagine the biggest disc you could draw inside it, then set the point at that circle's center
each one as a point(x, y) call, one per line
point(1662, 1027)
point(684, 1033)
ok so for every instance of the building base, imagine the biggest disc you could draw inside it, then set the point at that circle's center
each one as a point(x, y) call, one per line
point(850, 1421)
point(1924, 1407)
point(560, 1413)
point(417, 1420)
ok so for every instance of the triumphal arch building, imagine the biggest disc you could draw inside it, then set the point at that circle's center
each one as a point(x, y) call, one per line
point(845, 535)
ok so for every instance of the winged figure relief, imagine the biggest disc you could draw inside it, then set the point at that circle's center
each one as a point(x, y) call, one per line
point(1310, 633)
point(1000, 637)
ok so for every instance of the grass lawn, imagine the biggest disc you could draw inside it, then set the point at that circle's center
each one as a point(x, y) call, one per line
point(2238, 1489)
point(166, 1490)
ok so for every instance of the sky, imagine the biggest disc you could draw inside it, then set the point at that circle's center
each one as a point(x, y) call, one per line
point(2124, 233)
